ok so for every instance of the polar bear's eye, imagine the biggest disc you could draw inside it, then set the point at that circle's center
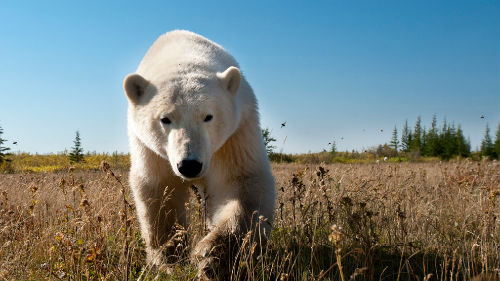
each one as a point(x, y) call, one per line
point(208, 118)
point(165, 120)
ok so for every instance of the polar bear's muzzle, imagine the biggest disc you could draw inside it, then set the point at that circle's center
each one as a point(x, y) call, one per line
point(190, 168)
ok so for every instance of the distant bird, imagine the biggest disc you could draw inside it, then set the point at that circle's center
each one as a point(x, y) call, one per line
point(482, 116)
point(329, 143)
point(381, 130)
point(14, 142)
point(283, 124)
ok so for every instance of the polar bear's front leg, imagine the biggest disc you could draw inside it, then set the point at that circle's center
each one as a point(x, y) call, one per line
point(160, 210)
point(218, 251)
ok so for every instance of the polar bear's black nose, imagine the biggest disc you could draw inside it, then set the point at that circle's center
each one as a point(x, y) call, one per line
point(189, 168)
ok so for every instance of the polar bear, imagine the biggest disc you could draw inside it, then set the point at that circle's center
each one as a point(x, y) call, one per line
point(193, 120)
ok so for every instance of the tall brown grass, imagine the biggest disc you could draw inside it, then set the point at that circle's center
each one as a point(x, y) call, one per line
point(392, 221)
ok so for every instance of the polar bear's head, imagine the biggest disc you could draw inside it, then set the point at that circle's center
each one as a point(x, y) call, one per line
point(186, 118)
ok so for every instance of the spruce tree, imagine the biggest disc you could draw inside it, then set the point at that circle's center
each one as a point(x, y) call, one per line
point(416, 144)
point(423, 144)
point(486, 144)
point(3, 149)
point(333, 148)
point(268, 139)
point(76, 154)
point(405, 138)
point(394, 140)
point(450, 142)
point(463, 147)
point(442, 139)
point(432, 142)
point(497, 142)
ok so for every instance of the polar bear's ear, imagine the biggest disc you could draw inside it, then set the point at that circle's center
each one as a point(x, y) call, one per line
point(134, 86)
point(230, 79)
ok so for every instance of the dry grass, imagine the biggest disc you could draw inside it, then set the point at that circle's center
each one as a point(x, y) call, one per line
point(393, 221)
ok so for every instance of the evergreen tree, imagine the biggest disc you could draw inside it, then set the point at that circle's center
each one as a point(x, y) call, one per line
point(405, 138)
point(416, 144)
point(432, 142)
point(394, 140)
point(268, 139)
point(450, 142)
point(497, 142)
point(3, 150)
point(463, 147)
point(486, 144)
point(333, 148)
point(442, 139)
point(424, 140)
point(410, 140)
point(76, 154)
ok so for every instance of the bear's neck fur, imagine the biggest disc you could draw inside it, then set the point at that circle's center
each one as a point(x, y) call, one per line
point(243, 150)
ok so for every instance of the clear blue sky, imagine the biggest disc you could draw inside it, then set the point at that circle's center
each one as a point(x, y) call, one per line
point(333, 70)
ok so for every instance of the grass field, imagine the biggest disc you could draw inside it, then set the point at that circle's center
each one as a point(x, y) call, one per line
point(387, 221)
point(44, 163)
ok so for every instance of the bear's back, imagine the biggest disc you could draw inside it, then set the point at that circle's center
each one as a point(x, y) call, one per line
point(181, 48)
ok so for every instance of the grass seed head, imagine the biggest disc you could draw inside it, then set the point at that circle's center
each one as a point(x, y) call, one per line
point(336, 235)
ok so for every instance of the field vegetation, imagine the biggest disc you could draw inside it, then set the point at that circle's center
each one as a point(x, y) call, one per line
point(391, 212)
point(385, 221)
point(46, 163)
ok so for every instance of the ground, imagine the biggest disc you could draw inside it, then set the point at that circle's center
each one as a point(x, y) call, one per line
point(406, 221)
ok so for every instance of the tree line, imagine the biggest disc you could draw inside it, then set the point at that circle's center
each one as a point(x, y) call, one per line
point(445, 141)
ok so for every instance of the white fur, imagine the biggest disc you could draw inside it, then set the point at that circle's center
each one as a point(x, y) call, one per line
point(187, 78)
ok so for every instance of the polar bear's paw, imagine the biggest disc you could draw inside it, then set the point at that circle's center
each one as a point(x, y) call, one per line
point(169, 253)
point(175, 246)
point(211, 256)
point(207, 269)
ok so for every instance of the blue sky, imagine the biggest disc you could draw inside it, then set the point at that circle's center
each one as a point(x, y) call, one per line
point(333, 70)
